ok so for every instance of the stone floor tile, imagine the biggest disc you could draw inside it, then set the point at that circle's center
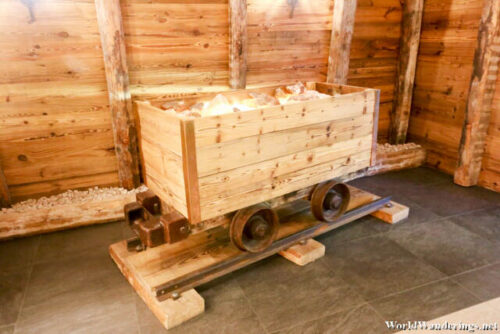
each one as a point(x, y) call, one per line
point(483, 282)
point(378, 266)
point(425, 303)
point(362, 319)
point(283, 294)
point(446, 246)
point(12, 288)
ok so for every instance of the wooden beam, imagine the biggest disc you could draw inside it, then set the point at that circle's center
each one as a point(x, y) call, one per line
point(408, 53)
point(5, 200)
point(115, 63)
point(238, 45)
point(344, 12)
point(481, 92)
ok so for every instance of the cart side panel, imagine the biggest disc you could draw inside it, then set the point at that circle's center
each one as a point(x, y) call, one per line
point(275, 151)
point(229, 127)
point(161, 151)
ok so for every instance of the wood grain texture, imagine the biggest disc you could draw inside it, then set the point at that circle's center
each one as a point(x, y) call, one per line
point(344, 12)
point(447, 43)
point(162, 153)
point(109, 20)
point(5, 199)
point(375, 53)
point(190, 169)
point(55, 128)
point(408, 53)
point(490, 168)
point(481, 93)
point(238, 43)
point(176, 46)
point(288, 40)
point(302, 254)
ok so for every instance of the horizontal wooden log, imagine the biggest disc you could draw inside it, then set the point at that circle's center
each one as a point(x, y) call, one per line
point(14, 223)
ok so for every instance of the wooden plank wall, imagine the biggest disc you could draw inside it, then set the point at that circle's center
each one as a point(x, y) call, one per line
point(444, 68)
point(375, 53)
point(176, 46)
point(55, 125)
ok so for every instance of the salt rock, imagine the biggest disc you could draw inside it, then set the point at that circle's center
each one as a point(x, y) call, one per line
point(178, 106)
point(281, 95)
point(264, 100)
point(296, 89)
point(218, 106)
point(308, 95)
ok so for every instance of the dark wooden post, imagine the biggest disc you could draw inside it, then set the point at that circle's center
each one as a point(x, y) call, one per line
point(408, 53)
point(344, 13)
point(481, 93)
point(237, 43)
point(5, 200)
point(115, 63)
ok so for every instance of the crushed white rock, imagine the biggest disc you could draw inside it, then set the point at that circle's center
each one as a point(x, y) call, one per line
point(220, 104)
point(72, 197)
point(396, 148)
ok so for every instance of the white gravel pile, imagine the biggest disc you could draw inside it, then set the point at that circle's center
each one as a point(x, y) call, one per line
point(71, 197)
point(396, 148)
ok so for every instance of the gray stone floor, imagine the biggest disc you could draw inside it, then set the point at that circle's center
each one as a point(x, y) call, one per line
point(445, 257)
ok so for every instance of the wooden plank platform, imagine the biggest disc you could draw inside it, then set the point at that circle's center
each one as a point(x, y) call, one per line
point(147, 270)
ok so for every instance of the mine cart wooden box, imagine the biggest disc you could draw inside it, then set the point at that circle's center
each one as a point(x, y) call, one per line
point(209, 166)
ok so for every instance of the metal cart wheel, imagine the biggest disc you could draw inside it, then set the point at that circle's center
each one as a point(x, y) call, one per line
point(253, 229)
point(329, 200)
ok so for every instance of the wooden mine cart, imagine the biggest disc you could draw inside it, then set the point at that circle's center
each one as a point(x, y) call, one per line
point(237, 166)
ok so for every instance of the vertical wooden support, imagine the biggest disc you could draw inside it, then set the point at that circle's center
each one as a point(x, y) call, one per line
point(238, 43)
point(115, 63)
point(5, 200)
point(190, 170)
point(344, 13)
point(408, 53)
point(481, 92)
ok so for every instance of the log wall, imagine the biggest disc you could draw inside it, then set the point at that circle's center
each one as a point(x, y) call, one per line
point(444, 68)
point(55, 123)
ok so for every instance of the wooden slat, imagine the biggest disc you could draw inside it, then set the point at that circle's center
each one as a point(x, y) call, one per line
point(238, 43)
point(376, 111)
point(246, 151)
point(408, 52)
point(125, 135)
point(340, 45)
point(481, 93)
point(214, 130)
point(190, 168)
point(5, 199)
